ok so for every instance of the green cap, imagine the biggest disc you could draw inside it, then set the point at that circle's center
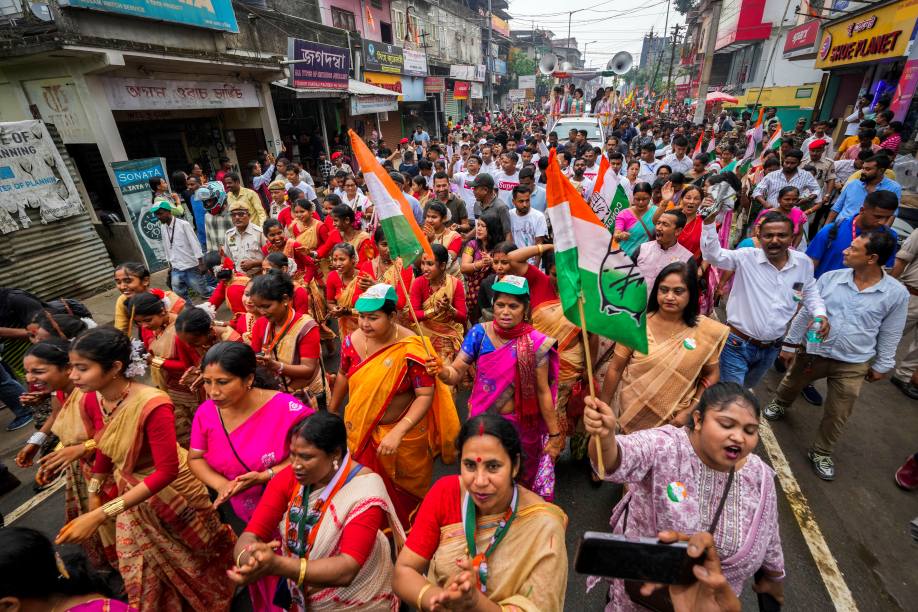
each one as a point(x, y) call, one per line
point(513, 285)
point(161, 204)
point(375, 297)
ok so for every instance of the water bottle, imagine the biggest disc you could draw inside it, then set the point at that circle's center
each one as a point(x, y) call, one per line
point(812, 332)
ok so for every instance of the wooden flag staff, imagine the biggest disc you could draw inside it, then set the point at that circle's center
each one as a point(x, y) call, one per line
point(589, 368)
point(414, 316)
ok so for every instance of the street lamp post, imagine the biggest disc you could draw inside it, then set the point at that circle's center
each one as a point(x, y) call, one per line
point(585, 51)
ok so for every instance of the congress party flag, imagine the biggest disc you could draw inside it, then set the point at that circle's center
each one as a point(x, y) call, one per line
point(406, 240)
point(593, 268)
point(609, 196)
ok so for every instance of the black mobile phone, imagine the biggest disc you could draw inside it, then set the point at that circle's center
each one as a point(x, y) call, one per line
point(767, 602)
point(642, 559)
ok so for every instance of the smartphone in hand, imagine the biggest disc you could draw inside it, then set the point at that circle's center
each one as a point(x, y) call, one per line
point(640, 559)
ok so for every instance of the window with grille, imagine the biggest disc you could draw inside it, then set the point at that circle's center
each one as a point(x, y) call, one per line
point(343, 19)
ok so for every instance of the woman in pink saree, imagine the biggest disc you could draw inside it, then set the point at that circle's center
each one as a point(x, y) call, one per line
point(239, 439)
point(517, 377)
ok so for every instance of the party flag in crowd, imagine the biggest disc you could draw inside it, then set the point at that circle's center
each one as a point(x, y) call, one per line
point(775, 141)
point(698, 145)
point(613, 292)
point(406, 240)
point(712, 146)
point(609, 196)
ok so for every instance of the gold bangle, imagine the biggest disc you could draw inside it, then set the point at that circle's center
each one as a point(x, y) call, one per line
point(239, 558)
point(540, 248)
point(424, 589)
point(89, 445)
point(94, 486)
point(304, 563)
point(408, 418)
point(114, 507)
point(158, 362)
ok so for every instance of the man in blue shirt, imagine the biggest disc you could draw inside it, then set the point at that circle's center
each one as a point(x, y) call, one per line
point(873, 178)
point(421, 137)
point(828, 246)
point(867, 308)
point(537, 194)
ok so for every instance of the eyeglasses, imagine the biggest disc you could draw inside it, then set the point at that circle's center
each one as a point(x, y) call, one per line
point(239, 213)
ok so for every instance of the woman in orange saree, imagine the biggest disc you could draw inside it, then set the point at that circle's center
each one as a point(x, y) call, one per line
point(438, 300)
point(343, 288)
point(172, 549)
point(398, 417)
point(168, 360)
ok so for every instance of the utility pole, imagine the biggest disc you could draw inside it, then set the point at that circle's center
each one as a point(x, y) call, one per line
point(656, 69)
point(672, 56)
point(488, 79)
point(710, 40)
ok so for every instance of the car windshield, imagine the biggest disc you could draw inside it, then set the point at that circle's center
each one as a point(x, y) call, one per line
point(564, 127)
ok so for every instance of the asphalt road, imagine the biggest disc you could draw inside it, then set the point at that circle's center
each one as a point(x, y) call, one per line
point(862, 516)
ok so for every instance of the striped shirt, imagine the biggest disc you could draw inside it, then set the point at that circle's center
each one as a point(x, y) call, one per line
point(774, 181)
point(216, 227)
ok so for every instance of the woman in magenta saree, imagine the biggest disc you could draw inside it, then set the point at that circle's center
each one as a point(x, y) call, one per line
point(517, 377)
point(239, 439)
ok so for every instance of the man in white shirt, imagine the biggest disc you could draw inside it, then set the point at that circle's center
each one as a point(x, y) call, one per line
point(507, 177)
point(768, 285)
point(294, 182)
point(528, 225)
point(183, 251)
point(678, 161)
point(488, 163)
point(766, 192)
point(242, 244)
point(654, 255)
point(819, 133)
point(853, 121)
point(649, 164)
point(591, 171)
point(463, 182)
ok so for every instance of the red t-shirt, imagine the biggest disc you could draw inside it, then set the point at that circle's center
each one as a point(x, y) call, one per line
point(309, 347)
point(540, 289)
point(441, 507)
point(357, 537)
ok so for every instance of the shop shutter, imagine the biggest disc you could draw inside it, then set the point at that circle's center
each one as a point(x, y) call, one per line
point(61, 259)
point(450, 106)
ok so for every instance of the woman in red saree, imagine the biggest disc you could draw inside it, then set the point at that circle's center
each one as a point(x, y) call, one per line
point(345, 283)
point(169, 363)
point(75, 420)
point(439, 304)
point(132, 278)
point(172, 548)
point(230, 287)
point(301, 265)
point(398, 417)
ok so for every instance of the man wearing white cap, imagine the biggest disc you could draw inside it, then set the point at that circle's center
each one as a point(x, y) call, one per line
point(183, 251)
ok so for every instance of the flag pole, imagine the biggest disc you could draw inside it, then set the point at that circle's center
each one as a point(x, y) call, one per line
point(414, 316)
point(589, 369)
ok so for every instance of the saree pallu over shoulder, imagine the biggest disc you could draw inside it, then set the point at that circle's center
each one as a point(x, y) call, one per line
point(288, 351)
point(444, 331)
point(548, 318)
point(656, 386)
point(528, 570)
point(371, 589)
point(172, 548)
point(409, 472)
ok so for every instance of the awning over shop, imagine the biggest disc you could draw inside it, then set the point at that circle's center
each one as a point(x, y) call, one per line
point(354, 88)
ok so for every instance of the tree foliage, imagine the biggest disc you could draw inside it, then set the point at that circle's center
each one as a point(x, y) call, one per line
point(519, 64)
point(684, 6)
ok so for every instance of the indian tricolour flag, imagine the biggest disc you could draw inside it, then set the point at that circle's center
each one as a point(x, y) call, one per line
point(594, 269)
point(609, 196)
point(405, 238)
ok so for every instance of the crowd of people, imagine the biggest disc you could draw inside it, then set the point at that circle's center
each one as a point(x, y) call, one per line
point(272, 420)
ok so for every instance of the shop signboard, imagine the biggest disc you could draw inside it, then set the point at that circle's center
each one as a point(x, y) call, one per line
point(33, 175)
point(415, 63)
point(873, 35)
point(367, 105)
point(133, 180)
point(210, 14)
point(434, 85)
point(155, 94)
point(500, 26)
point(59, 103)
point(318, 66)
point(500, 66)
point(461, 90)
point(381, 57)
point(462, 71)
point(905, 89)
point(480, 73)
point(517, 94)
point(476, 91)
point(413, 89)
point(801, 39)
point(527, 81)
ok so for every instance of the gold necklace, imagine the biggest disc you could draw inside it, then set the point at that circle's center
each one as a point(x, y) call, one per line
point(118, 402)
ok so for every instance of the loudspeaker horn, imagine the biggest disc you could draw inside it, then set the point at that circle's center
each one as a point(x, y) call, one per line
point(548, 63)
point(620, 63)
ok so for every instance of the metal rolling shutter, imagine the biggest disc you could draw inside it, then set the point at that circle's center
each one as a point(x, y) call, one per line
point(61, 259)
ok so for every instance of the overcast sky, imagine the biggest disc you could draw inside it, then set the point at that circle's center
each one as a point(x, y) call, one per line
point(615, 25)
